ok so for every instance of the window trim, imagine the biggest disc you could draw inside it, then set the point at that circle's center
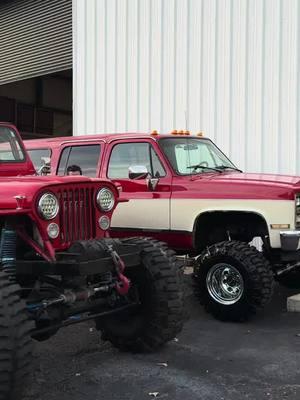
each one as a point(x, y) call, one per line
point(59, 160)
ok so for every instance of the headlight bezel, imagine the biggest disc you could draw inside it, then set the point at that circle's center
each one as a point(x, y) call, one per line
point(41, 213)
point(99, 201)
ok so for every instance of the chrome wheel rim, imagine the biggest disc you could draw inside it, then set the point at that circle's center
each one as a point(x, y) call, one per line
point(225, 284)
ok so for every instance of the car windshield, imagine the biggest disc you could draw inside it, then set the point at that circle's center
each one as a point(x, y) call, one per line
point(10, 148)
point(189, 155)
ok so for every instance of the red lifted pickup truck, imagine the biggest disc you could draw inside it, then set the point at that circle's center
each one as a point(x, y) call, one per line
point(185, 191)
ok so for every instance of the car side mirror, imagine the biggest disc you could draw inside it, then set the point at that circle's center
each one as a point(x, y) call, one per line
point(137, 172)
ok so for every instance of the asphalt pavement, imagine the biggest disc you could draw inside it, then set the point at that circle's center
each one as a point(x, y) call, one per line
point(209, 360)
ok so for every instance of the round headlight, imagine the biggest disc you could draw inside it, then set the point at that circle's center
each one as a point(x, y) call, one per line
point(48, 206)
point(105, 199)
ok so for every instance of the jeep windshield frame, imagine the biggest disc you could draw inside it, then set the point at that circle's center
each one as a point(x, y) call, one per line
point(186, 154)
point(11, 147)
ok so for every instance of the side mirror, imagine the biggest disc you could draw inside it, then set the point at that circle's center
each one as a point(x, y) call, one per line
point(137, 172)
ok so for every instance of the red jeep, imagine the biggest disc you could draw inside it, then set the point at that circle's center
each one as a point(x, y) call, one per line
point(185, 191)
point(57, 267)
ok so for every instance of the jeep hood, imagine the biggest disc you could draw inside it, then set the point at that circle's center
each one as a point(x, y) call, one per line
point(29, 186)
point(245, 185)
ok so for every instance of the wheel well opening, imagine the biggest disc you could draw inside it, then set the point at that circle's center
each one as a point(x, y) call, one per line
point(217, 226)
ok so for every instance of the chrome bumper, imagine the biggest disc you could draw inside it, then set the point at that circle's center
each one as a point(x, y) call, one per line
point(290, 240)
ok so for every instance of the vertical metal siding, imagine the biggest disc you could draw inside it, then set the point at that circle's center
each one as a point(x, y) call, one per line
point(35, 38)
point(229, 68)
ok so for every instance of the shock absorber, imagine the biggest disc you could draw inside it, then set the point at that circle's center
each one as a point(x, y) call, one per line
point(8, 245)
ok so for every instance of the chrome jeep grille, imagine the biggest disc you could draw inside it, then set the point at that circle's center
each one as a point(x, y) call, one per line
point(77, 214)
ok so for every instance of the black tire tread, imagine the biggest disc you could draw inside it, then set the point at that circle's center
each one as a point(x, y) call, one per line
point(168, 316)
point(15, 341)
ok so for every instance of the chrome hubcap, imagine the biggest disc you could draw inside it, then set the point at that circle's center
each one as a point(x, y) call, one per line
point(225, 284)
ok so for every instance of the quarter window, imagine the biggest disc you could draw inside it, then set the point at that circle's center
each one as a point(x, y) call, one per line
point(125, 155)
point(84, 157)
point(38, 155)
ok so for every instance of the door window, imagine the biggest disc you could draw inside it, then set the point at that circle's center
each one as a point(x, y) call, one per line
point(81, 159)
point(125, 155)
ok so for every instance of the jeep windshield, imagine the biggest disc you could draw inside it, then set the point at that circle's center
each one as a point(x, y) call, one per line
point(10, 147)
point(189, 156)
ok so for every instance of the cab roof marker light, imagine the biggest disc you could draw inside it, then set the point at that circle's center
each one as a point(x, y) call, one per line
point(154, 133)
point(181, 132)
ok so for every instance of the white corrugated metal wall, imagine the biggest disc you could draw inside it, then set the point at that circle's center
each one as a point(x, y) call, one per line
point(229, 68)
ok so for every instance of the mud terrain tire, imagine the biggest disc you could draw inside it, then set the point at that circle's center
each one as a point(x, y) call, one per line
point(159, 285)
point(238, 294)
point(15, 341)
